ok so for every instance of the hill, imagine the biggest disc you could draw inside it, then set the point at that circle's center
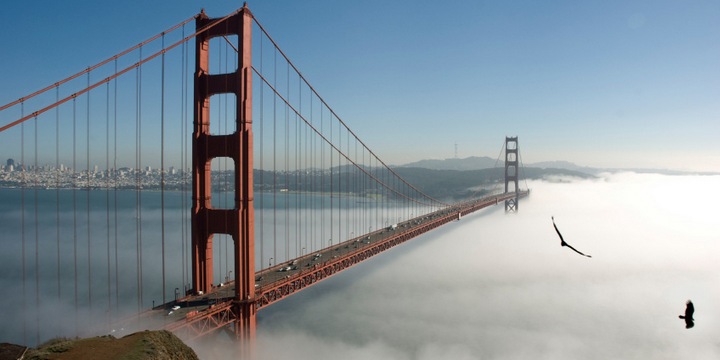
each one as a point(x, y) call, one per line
point(155, 345)
point(478, 163)
point(455, 185)
point(470, 163)
point(484, 162)
point(565, 165)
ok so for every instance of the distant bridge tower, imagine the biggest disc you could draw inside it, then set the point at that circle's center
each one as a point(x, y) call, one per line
point(511, 172)
point(238, 221)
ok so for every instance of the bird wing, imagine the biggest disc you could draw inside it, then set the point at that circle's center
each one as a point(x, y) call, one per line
point(563, 243)
point(575, 250)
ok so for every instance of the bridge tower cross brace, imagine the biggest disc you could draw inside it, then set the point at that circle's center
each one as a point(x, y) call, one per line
point(237, 222)
point(511, 172)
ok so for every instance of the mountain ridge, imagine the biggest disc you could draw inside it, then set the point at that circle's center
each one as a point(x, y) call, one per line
point(484, 162)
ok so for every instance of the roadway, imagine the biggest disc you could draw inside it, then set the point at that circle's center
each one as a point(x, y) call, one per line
point(214, 309)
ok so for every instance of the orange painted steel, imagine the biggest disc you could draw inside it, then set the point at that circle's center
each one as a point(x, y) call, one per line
point(296, 282)
point(239, 221)
point(198, 324)
point(511, 172)
point(242, 307)
point(217, 316)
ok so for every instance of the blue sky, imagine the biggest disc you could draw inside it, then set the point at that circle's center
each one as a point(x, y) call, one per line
point(598, 83)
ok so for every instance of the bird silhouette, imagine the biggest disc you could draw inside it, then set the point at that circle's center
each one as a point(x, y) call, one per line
point(562, 241)
point(689, 311)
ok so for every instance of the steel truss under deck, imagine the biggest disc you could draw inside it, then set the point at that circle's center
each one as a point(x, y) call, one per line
point(217, 316)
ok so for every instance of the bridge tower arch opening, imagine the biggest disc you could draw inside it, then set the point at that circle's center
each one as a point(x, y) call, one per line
point(238, 221)
point(511, 173)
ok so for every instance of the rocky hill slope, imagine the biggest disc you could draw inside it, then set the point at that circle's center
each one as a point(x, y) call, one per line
point(155, 345)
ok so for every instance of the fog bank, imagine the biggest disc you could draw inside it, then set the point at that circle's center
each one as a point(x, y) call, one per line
point(500, 286)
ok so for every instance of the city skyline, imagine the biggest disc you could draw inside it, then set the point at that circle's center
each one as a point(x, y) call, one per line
point(612, 84)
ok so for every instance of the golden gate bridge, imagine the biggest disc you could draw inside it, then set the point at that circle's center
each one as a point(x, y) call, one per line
point(267, 194)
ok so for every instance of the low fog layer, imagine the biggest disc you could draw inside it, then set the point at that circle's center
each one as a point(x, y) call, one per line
point(497, 286)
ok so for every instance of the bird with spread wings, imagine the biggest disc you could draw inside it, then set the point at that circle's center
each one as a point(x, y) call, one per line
point(689, 311)
point(562, 241)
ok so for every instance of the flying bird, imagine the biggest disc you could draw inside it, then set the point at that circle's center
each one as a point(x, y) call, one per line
point(562, 241)
point(689, 311)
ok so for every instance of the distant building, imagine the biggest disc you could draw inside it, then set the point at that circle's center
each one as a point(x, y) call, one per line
point(10, 162)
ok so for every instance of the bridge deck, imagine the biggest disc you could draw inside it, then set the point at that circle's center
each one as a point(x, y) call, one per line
point(204, 313)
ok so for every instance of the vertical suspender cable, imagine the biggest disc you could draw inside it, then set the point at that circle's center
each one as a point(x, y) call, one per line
point(137, 215)
point(339, 187)
point(183, 201)
point(261, 167)
point(314, 198)
point(183, 118)
point(286, 198)
point(317, 178)
point(361, 192)
point(275, 159)
point(359, 223)
point(115, 187)
point(74, 193)
point(57, 187)
point(137, 184)
point(322, 185)
point(370, 198)
point(37, 241)
point(388, 193)
point(87, 196)
point(295, 183)
point(22, 217)
point(376, 186)
point(162, 167)
point(332, 182)
point(349, 182)
point(140, 227)
point(522, 167)
point(348, 190)
point(107, 198)
point(188, 163)
point(351, 221)
point(310, 179)
point(383, 197)
point(299, 238)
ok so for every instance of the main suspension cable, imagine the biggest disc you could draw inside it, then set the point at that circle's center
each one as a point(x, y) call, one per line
point(335, 147)
point(117, 73)
point(287, 59)
point(100, 64)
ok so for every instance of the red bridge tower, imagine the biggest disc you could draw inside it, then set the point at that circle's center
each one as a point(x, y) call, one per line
point(511, 172)
point(238, 221)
